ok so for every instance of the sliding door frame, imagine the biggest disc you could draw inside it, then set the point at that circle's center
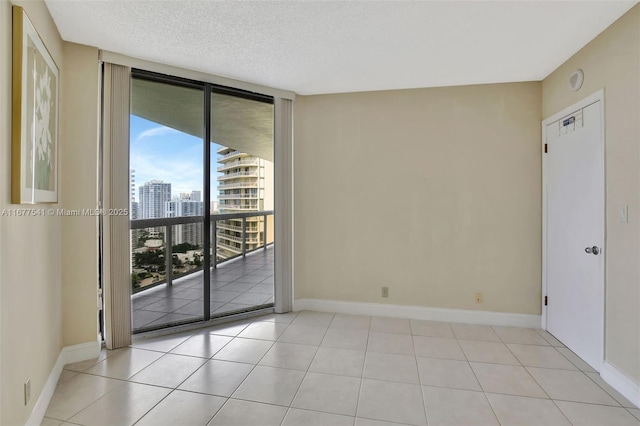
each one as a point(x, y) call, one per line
point(283, 189)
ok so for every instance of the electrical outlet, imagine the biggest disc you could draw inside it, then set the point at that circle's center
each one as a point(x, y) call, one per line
point(478, 297)
point(27, 391)
point(385, 291)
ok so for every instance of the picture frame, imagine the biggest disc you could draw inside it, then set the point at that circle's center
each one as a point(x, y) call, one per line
point(35, 111)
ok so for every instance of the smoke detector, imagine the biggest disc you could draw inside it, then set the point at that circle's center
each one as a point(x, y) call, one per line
point(576, 79)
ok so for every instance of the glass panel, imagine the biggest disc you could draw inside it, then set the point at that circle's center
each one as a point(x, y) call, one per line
point(166, 150)
point(244, 124)
point(241, 183)
point(147, 258)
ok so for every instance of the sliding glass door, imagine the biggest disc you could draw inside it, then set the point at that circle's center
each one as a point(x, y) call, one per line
point(242, 194)
point(201, 174)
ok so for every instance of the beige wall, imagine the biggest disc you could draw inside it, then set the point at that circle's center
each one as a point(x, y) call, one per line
point(48, 265)
point(434, 193)
point(30, 266)
point(79, 182)
point(612, 62)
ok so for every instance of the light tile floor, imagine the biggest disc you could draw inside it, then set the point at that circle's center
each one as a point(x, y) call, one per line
point(316, 368)
point(240, 283)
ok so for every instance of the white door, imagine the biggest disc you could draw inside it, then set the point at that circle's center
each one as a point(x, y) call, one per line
point(574, 230)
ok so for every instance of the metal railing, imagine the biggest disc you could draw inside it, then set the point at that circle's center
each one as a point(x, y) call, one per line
point(238, 196)
point(168, 222)
point(224, 185)
point(238, 174)
point(243, 238)
point(230, 247)
point(228, 226)
point(253, 207)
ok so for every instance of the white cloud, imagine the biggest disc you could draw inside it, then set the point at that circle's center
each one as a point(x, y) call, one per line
point(156, 131)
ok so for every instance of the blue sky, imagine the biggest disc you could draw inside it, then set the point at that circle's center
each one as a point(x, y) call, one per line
point(162, 153)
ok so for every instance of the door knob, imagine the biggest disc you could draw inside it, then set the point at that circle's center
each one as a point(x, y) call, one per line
point(595, 250)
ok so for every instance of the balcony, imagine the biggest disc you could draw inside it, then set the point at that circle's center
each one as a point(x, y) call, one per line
point(236, 228)
point(241, 277)
point(237, 196)
point(232, 154)
point(238, 284)
point(229, 247)
point(238, 175)
point(248, 184)
point(224, 149)
point(247, 239)
point(252, 207)
point(238, 163)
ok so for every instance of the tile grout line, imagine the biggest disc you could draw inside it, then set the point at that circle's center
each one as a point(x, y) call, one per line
point(364, 362)
point(91, 402)
point(251, 371)
point(307, 370)
point(245, 378)
point(415, 358)
point(229, 397)
point(180, 384)
point(128, 380)
point(484, 393)
point(256, 365)
point(606, 391)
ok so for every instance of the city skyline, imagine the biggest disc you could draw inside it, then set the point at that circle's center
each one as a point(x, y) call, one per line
point(159, 152)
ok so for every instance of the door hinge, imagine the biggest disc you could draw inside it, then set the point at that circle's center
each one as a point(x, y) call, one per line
point(546, 148)
point(545, 301)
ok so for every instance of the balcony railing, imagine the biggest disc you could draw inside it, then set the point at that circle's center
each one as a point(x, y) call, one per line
point(166, 224)
point(238, 163)
point(237, 196)
point(253, 207)
point(248, 184)
point(238, 175)
point(237, 228)
point(230, 247)
point(231, 154)
point(245, 238)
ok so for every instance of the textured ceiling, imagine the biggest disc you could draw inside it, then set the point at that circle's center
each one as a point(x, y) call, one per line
point(315, 47)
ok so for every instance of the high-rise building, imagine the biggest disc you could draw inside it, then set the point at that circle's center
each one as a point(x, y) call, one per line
point(133, 210)
point(245, 185)
point(192, 196)
point(184, 206)
point(132, 183)
point(152, 198)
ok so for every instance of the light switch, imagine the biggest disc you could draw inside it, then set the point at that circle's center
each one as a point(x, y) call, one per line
point(624, 214)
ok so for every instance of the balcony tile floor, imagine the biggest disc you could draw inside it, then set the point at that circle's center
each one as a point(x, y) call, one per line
point(318, 368)
point(237, 284)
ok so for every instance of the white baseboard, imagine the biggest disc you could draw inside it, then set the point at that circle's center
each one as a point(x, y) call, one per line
point(68, 355)
point(419, 312)
point(81, 352)
point(621, 382)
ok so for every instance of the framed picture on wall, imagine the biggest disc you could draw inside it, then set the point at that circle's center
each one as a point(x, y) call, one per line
point(34, 126)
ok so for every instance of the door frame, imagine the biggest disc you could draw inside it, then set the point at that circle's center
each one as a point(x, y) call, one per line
point(589, 100)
